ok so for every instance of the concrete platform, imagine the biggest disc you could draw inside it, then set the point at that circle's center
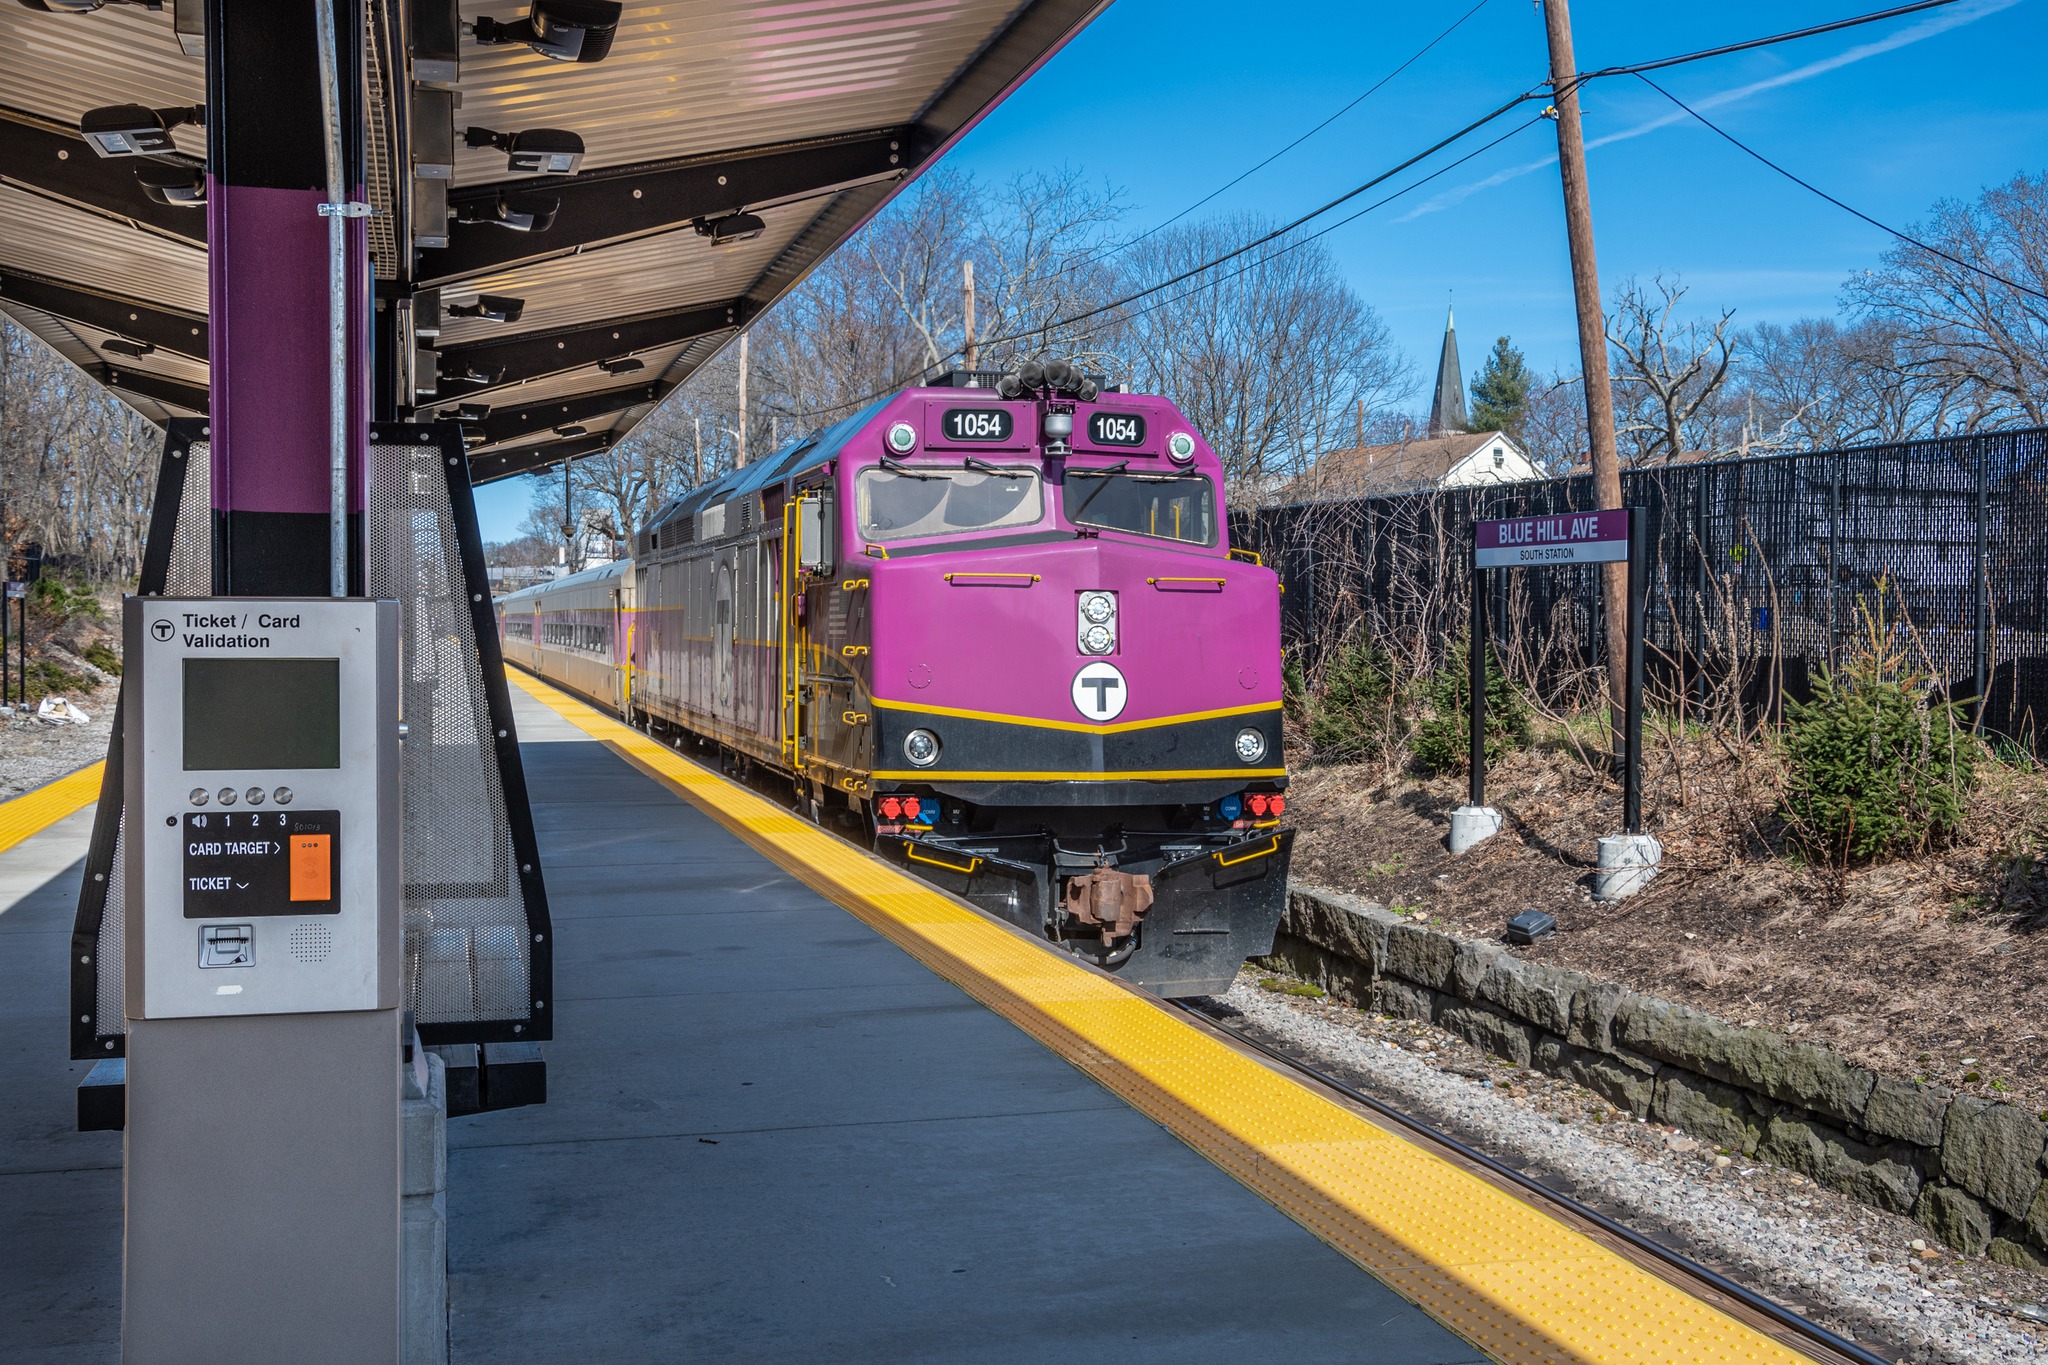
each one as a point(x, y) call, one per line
point(771, 1135)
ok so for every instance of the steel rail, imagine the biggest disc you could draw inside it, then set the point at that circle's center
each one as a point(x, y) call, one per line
point(1645, 1248)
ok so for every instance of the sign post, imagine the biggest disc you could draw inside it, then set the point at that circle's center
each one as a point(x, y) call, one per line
point(1627, 860)
point(17, 597)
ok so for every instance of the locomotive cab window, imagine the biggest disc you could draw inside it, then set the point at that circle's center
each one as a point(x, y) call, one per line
point(1170, 506)
point(916, 501)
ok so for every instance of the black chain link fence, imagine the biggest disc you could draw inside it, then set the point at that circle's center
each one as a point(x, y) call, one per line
point(1763, 571)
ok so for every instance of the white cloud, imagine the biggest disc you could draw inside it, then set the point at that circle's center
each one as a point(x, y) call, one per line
point(1940, 22)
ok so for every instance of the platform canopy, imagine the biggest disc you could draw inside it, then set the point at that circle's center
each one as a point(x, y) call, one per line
point(806, 116)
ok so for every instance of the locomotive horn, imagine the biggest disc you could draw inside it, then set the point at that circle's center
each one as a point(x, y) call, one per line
point(1031, 374)
point(1010, 386)
point(1060, 375)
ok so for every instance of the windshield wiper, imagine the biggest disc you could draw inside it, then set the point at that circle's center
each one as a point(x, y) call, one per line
point(1102, 474)
point(984, 466)
point(906, 471)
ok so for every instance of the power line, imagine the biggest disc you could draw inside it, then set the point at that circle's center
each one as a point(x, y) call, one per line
point(1637, 68)
point(1420, 53)
point(1932, 250)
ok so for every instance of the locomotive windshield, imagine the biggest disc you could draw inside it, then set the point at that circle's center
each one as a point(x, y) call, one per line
point(1170, 506)
point(911, 502)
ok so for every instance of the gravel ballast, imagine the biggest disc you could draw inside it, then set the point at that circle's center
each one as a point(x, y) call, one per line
point(1873, 1277)
point(33, 751)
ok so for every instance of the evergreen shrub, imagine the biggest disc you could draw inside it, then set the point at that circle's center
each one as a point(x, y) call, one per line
point(1443, 742)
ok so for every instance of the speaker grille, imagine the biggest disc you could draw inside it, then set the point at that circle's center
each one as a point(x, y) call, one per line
point(311, 942)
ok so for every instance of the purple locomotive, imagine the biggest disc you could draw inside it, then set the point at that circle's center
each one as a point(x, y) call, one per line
point(1001, 630)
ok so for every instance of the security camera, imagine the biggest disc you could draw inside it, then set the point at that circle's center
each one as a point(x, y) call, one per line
point(172, 183)
point(519, 212)
point(134, 350)
point(134, 130)
point(537, 151)
point(732, 229)
point(492, 307)
point(566, 30)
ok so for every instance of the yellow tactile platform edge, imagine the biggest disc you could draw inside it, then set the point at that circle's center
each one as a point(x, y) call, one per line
point(1518, 1285)
point(35, 811)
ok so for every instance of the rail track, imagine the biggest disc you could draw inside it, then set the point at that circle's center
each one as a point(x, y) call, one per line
point(1772, 1319)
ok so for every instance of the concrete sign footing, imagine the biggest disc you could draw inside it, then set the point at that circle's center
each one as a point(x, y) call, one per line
point(1627, 863)
point(1472, 826)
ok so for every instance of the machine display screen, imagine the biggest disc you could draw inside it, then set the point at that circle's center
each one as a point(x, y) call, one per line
point(262, 713)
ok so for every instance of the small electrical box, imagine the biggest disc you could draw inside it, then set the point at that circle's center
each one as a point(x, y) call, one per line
point(260, 759)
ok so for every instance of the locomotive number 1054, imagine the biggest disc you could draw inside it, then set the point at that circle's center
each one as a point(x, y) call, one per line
point(1116, 429)
point(976, 424)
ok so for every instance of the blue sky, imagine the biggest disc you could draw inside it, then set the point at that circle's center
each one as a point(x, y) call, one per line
point(1171, 98)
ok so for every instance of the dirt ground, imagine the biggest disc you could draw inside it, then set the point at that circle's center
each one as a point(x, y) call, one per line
point(1929, 968)
point(34, 751)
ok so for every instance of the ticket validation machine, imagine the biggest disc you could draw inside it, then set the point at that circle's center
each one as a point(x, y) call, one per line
point(263, 979)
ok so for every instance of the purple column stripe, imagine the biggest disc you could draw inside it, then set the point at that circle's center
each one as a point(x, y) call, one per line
point(267, 290)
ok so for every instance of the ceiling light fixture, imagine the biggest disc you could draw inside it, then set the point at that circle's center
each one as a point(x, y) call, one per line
point(536, 151)
point(732, 229)
point(571, 429)
point(134, 350)
point(470, 374)
point(623, 365)
point(135, 129)
point(519, 212)
point(565, 30)
point(172, 182)
point(85, 6)
point(491, 307)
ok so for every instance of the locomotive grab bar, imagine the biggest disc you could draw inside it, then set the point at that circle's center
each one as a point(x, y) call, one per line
point(852, 584)
point(1194, 584)
point(910, 852)
point(854, 717)
point(1249, 557)
point(1266, 852)
point(971, 579)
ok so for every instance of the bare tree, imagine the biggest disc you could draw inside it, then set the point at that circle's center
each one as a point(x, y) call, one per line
point(1270, 355)
point(1669, 371)
point(1554, 424)
point(1975, 338)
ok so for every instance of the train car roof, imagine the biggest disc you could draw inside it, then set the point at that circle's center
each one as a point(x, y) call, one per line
point(792, 459)
point(594, 575)
point(817, 115)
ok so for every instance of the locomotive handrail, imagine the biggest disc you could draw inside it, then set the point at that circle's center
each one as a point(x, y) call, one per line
point(873, 551)
point(974, 579)
point(910, 852)
point(1210, 584)
point(1254, 856)
point(1249, 557)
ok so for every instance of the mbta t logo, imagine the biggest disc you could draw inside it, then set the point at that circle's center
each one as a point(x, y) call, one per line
point(1099, 691)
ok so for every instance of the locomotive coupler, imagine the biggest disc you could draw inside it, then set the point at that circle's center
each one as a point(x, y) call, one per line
point(1115, 901)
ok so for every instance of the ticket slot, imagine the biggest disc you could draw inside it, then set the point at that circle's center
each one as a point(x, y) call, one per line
point(241, 864)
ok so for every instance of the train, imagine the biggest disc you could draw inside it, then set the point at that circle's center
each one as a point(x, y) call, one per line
point(993, 627)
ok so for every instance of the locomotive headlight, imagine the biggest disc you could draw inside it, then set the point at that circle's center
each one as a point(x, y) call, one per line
point(1096, 632)
point(1251, 745)
point(921, 747)
point(902, 438)
point(1181, 447)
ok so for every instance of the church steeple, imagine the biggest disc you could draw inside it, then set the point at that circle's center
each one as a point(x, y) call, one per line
point(1447, 407)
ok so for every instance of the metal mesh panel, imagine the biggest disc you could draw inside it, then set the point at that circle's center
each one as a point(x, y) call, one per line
point(187, 572)
point(1763, 570)
point(467, 950)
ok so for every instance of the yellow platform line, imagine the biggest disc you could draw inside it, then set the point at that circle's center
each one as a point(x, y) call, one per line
point(35, 811)
point(1517, 1284)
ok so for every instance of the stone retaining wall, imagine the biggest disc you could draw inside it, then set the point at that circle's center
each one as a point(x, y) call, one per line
point(1971, 1170)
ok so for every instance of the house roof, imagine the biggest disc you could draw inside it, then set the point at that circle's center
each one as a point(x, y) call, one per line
point(1365, 471)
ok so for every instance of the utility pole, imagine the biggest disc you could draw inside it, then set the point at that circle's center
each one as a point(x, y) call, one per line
point(697, 460)
point(1578, 221)
point(973, 347)
point(740, 459)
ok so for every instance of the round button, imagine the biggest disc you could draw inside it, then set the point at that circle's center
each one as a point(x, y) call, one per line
point(283, 796)
point(254, 796)
point(226, 796)
point(198, 796)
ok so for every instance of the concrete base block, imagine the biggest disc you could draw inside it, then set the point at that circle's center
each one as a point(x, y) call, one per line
point(424, 1211)
point(1627, 863)
point(1472, 826)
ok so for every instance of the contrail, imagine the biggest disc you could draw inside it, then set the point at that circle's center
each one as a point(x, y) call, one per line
point(1938, 23)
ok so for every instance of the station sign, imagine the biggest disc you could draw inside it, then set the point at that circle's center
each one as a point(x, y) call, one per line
point(1570, 538)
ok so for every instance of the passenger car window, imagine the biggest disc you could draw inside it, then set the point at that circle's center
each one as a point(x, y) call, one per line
point(935, 502)
point(1170, 506)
